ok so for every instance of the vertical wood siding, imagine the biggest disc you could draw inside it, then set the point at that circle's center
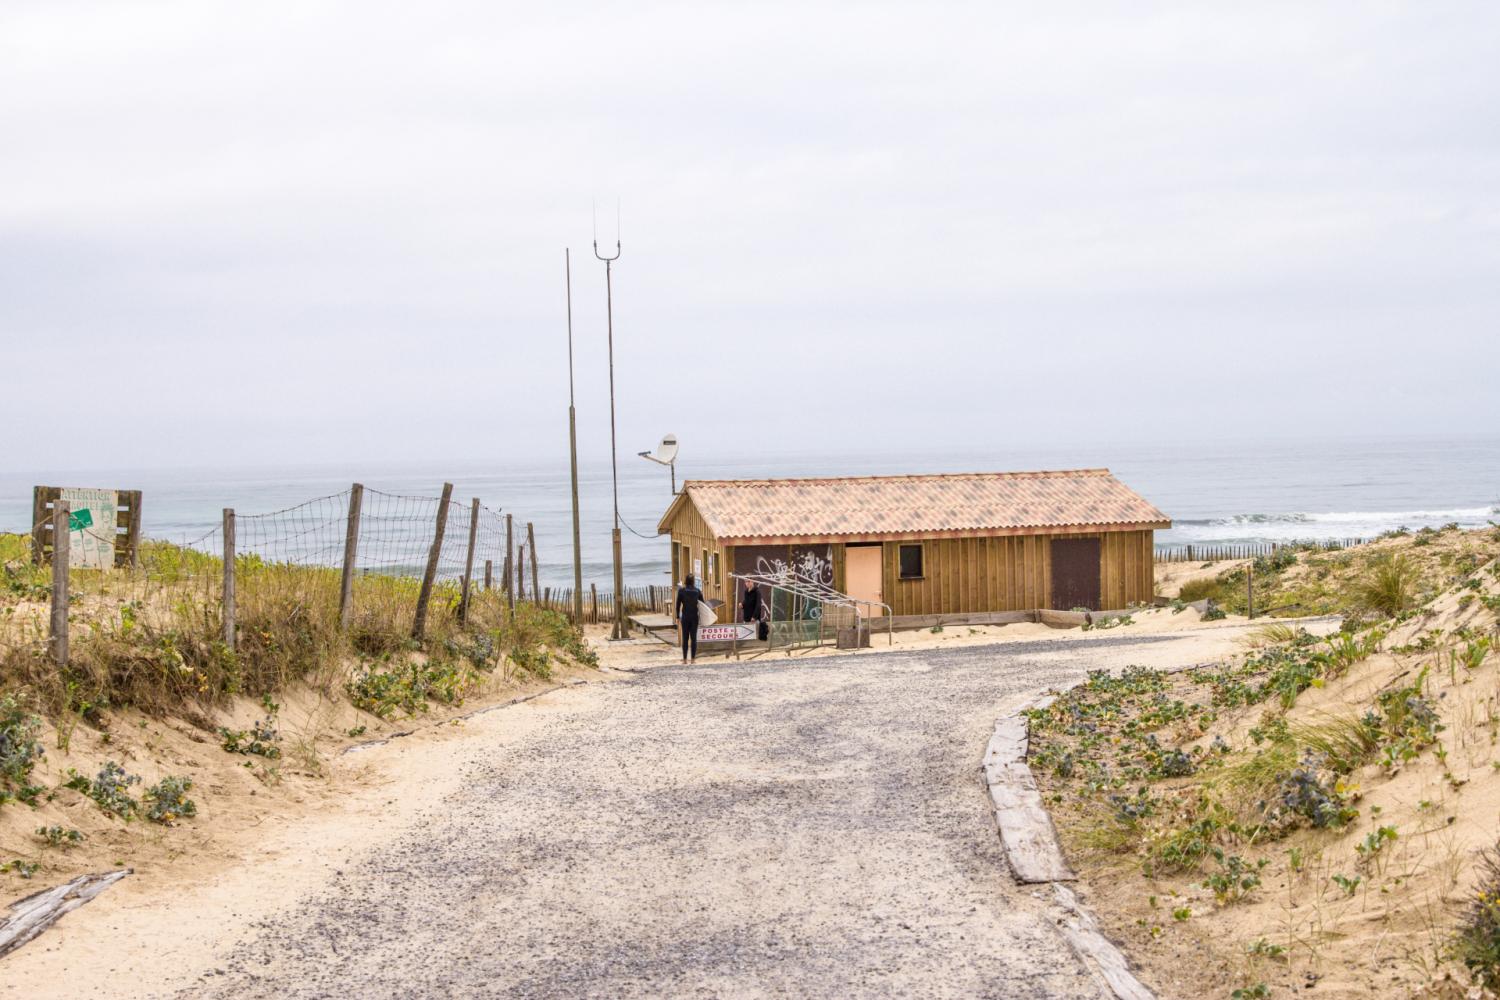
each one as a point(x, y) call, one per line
point(1011, 573)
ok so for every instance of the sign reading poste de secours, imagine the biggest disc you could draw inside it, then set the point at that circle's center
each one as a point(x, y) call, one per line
point(741, 631)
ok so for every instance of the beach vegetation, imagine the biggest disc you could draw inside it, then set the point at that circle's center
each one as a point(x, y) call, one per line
point(167, 801)
point(110, 789)
point(1390, 587)
point(153, 640)
point(1478, 941)
point(19, 750)
point(58, 836)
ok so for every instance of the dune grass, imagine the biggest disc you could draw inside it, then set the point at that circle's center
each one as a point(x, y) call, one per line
point(152, 639)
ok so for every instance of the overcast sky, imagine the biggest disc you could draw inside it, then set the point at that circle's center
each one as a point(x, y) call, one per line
point(311, 231)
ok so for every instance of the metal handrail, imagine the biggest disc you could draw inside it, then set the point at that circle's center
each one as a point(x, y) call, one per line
point(807, 588)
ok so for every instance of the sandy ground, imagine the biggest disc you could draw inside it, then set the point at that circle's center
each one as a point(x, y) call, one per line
point(681, 830)
point(1200, 641)
point(1171, 576)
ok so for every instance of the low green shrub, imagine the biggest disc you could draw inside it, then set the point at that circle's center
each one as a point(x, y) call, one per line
point(1478, 942)
point(167, 801)
point(110, 790)
point(19, 750)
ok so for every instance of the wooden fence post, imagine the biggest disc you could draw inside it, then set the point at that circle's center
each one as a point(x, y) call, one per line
point(419, 624)
point(521, 572)
point(463, 598)
point(1250, 591)
point(133, 529)
point(229, 601)
point(351, 553)
point(489, 574)
point(510, 591)
point(61, 544)
point(531, 548)
point(594, 599)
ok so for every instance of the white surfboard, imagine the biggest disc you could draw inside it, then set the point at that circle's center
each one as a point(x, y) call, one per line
point(706, 614)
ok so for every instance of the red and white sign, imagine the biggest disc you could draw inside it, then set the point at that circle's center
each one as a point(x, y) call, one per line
point(742, 631)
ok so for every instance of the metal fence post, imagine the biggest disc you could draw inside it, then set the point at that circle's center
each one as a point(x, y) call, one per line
point(61, 545)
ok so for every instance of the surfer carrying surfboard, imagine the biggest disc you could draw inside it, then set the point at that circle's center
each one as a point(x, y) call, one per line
point(689, 597)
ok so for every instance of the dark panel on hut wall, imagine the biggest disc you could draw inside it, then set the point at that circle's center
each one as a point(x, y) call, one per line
point(760, 559)
point(1076, 572)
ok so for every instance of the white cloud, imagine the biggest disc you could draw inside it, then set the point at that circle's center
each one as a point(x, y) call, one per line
point(335, 229)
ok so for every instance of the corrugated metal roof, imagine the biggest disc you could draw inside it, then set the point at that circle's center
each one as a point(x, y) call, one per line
point(875, 507)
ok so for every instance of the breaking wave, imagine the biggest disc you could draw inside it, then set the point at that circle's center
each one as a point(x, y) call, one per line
point(1305, 525)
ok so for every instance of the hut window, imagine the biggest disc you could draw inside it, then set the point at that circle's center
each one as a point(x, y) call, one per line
point(911, 562)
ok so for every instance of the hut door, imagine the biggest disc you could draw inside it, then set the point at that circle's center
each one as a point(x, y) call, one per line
point(1075, 573)
point(862, 573)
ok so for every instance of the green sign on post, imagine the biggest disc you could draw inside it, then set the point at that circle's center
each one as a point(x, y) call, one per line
point(80, 519)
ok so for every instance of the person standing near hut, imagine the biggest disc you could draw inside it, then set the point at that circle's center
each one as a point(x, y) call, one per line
point(685, 610)
point(752, 608)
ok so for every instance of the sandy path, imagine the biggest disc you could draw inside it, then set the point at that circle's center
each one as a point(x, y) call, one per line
point(758, 828)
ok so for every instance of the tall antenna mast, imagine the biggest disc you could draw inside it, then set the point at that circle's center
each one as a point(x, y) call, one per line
point(573, 449)
point(620, 630)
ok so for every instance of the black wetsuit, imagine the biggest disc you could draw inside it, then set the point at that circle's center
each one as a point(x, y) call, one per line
point(687, 617)
point(750, 605)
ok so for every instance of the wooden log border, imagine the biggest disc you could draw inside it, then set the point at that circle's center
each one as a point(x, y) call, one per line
point(1032, 850)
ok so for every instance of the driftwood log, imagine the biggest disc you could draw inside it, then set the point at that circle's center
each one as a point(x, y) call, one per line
point(34, 914)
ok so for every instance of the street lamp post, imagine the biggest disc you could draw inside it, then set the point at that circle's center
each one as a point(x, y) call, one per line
point(620, 630)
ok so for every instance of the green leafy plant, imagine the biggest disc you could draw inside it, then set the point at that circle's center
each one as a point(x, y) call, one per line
point(1235, 878)
point(110, 790)
point(19, 749)
point(25, 869)
point(1311, 791)
point(167, 800)
point(57, 836)
point(1259, 991)
point(1346, 883)
point(259, 740)
point(1374, 843)
point(1477, 945)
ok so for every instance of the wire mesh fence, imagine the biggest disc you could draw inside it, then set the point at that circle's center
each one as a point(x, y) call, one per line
point(381, 567)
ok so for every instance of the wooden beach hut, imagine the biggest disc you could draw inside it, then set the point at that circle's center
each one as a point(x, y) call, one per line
point(926, 545)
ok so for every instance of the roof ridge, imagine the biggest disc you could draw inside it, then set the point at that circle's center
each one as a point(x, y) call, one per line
point(1037, 474)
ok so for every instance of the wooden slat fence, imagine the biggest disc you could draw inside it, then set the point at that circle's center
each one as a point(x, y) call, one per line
point(599, 605)
point(1250, 550)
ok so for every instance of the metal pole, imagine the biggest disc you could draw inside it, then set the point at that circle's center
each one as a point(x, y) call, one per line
point(620, 630)
point(573, 451)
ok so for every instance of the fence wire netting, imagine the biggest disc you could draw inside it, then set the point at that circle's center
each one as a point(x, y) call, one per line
point(288, 565)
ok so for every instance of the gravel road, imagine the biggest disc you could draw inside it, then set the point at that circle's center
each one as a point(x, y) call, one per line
point(763, 828)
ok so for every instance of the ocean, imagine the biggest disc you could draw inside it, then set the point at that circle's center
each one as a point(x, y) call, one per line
point(1230, 493)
